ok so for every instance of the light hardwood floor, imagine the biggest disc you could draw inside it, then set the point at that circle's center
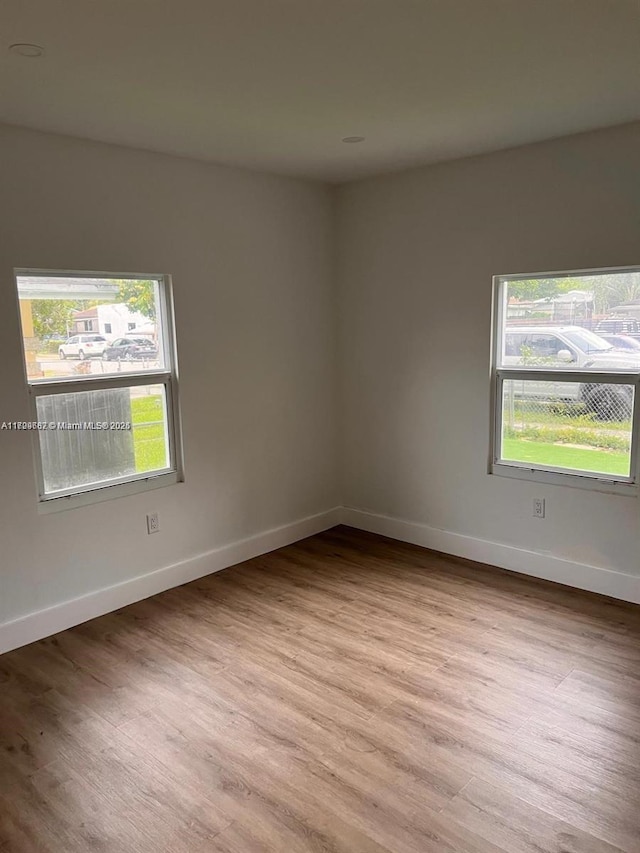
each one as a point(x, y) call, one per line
point(346, 693)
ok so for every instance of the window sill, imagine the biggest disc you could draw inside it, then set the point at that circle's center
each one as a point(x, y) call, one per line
point(560, 478)
point(108, 492)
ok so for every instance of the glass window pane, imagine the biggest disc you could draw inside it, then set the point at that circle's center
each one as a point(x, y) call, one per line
point(70, 326)
point(92, 437)
point(571, 425)
point(558, 323)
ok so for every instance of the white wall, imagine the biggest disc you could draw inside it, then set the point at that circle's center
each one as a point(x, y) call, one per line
point(417, 252)
point(251, 261)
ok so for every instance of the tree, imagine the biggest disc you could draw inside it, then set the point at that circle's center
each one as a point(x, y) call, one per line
point(614, 289)
point(530, 289)
point(52, 317)
point(139, 296)
point(609, 290)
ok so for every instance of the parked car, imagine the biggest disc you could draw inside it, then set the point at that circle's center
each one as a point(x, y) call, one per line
point(83, 346)
point(130, 349)
point(566, 348)
point(622, 342)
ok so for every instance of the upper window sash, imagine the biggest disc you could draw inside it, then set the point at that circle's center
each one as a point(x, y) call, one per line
point(554, 321)
point(54, 307)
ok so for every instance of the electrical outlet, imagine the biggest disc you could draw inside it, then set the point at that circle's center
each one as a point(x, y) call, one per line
point(538, 507)
point(153, 522)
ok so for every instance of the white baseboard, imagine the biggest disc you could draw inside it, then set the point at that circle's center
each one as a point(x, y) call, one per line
point(592, 578)
point(44, 623)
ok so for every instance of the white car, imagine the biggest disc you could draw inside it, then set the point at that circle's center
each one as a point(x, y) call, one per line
point(83, 346)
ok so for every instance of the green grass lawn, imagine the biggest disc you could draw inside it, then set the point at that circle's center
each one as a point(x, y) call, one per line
point(561, 456)
point(147, 414)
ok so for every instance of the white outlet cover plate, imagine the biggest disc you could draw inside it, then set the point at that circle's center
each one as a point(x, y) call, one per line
point(153, 523)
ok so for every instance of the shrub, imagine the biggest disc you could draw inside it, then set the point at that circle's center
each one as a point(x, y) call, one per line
point(570, 435)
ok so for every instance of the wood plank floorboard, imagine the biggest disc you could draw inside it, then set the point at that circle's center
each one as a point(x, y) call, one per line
point(347, 694)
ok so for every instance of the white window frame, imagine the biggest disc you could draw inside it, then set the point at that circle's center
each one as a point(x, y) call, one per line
point(550, 474)
point(63, 499)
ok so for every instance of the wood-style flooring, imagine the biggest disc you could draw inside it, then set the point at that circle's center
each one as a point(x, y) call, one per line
point(346, 694)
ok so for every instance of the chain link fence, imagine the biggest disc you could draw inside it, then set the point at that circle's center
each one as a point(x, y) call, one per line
point(568, 425)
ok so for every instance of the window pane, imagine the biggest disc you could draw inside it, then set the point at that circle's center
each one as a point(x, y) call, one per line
point(558, 323)
point(70, 326)
point(96, 436)
point(585, 427)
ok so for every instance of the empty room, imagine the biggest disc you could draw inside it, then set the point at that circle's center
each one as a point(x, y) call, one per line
point(320, 426)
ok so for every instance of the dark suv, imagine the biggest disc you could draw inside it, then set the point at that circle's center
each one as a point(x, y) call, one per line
point(130, 349)
point(618, 326)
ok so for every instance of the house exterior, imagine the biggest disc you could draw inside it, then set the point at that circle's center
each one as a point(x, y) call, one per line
point(113, 320)
point(574, 307)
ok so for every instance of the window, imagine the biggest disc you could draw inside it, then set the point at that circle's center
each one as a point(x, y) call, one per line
point(565, 406)
point(107, 328)
point(104, 418)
